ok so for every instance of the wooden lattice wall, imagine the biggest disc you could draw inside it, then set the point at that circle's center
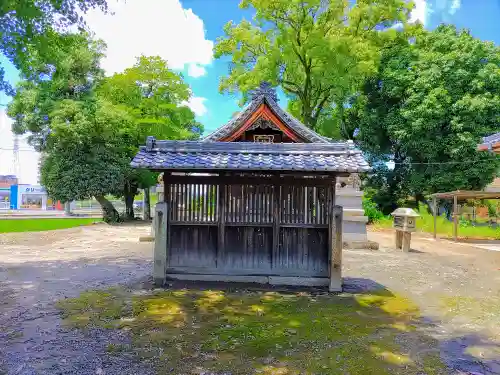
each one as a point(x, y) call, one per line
point(267, 227)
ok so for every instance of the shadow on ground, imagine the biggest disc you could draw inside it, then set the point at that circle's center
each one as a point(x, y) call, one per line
point(217, 328)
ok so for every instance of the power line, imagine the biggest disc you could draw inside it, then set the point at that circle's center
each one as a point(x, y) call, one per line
point(21, 149)
point(442, 162)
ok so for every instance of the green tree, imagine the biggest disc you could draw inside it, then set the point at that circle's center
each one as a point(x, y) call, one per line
point(69, 71)
point(86, 153)
point(27, 27)
point(434, 97)
point(155, 97)
point(56, 100)
point(317, 51)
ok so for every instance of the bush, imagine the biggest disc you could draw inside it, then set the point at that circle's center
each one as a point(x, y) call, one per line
point(371, 210)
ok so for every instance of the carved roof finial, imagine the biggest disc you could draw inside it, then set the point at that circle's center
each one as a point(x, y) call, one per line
point(264, 89)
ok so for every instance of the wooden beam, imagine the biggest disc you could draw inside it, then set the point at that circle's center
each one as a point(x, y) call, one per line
point(250, 172)
point(276, 219)
point(221, 204)
point(251, 180)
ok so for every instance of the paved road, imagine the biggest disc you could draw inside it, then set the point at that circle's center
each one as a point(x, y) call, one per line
point(40, 214)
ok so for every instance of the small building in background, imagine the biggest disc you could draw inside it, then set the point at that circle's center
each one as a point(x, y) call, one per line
point(6, 181)
point(491, 143)
point(33, 197)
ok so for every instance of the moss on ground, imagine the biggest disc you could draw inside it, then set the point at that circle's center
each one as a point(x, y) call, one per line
point(192, 331)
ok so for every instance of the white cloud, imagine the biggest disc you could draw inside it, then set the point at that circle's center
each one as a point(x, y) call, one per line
point(455, 5)
point(419, 13)
point(195, 70)
point(152, 28)
point(28, 158)
point(197, 105)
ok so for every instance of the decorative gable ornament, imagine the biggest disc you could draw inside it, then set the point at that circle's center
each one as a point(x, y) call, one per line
point(265, 89)
point(262, 111)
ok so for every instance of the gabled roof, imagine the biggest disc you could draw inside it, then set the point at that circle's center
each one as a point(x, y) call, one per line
point(265, 94)
point(249, 156)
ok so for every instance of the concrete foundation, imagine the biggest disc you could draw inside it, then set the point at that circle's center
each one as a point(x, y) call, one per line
point(271, 280)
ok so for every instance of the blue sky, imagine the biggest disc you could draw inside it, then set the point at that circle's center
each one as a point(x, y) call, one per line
point(184, 31)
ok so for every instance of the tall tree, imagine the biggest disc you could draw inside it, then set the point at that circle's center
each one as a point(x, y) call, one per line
point(26, 27)
point(433, 98)
point(155, 97)
point(58, 93)
point(318, 51)
point(87, 153)
point(69, 72)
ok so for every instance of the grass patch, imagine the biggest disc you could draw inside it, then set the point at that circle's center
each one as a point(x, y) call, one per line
point(36, 225)
point(425, 223)
point(192, 331)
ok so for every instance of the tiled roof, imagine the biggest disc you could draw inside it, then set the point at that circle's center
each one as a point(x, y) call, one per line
point(265, 94)
point(491, 139)
point(196, 156)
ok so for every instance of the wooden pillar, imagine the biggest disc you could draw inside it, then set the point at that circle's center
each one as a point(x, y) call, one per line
point(455, 218)
point(223, 191)
point(434, 211)
point(160, 244)
point(276, 220)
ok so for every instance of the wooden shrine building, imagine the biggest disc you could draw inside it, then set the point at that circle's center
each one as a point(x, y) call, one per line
point(254, 201)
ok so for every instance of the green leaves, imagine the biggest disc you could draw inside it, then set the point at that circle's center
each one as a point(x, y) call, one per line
point(27, 28)
point(428, 107)
point(87, 150)
point(319, 52)
point(89, 127)
point(155, 96)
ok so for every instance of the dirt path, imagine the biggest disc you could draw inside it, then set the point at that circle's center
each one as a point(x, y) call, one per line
point(456, 286)
point(37, 269)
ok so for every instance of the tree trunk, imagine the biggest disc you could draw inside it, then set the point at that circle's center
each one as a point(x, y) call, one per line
point(110, 215)
point(129, 193)
point(147, 205)
point(129, 205)
point(67, 208)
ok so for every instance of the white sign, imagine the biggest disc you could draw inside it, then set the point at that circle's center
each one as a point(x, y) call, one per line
point(33, 190)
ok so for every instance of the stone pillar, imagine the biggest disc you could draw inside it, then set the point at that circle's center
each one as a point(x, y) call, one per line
point(335, 229)
point(349, 196)
point(160, 198)
point(160, 244)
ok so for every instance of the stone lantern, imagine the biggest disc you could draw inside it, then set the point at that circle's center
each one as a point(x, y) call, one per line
point(404, 224)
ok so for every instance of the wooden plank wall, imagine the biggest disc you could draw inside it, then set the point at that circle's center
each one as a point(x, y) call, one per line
point(275, 229)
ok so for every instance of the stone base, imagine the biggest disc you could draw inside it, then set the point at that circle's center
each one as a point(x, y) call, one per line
point(361, 245)
point(147, 239)
point(271, 280)
point(354, 227)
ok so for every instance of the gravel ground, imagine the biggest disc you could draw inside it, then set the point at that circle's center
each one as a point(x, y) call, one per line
point(457, 287)
point(37, 269)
